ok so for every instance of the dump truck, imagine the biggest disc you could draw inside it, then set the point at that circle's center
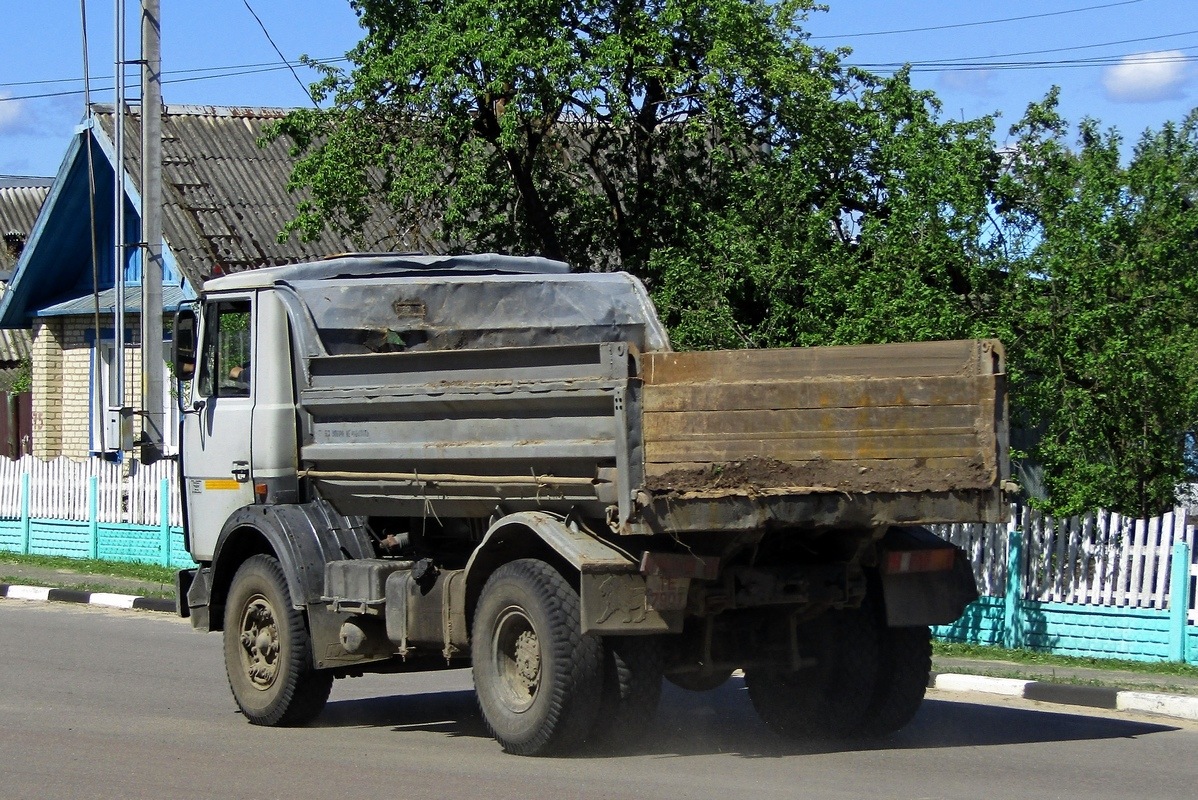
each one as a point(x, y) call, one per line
point(395, 463)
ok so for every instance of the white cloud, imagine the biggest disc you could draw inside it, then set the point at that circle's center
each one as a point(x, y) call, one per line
point(1147, 77)
point(12, 114)
point(975, 82)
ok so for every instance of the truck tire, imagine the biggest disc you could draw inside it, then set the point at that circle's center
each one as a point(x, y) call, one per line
point(632, 667)
point(539, 680)
point(904, 664)
point(268, 654)
point(830, 699)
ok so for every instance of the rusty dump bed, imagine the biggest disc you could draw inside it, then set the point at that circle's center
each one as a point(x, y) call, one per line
point(662, 442)
point(913, 431)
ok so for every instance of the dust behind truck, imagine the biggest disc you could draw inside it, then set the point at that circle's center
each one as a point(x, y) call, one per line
point(401, 463)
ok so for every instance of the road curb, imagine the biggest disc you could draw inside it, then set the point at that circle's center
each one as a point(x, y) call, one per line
point(105, 599)
point(1166, 705)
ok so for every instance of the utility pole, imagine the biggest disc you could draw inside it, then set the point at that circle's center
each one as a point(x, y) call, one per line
point(153, 419)
point(115, 413)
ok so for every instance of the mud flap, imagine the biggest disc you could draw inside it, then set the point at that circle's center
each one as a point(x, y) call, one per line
point(923, 584)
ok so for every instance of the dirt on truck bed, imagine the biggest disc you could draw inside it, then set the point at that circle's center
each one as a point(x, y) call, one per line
point(754, 476)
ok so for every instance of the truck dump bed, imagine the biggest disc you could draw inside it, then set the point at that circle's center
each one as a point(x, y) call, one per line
point(888, 418)
point(458, 385)
point(835, 437)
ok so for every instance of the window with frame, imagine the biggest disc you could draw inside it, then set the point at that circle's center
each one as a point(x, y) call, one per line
point(225, 361)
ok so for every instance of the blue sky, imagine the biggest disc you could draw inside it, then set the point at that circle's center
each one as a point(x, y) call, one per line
point(1133, 64)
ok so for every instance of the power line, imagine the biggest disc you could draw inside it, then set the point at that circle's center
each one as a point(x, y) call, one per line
point(215, 73)
point(1065, 49)
point(190, 71)
point(966, 66)
point(283, 58)
point(980, 23)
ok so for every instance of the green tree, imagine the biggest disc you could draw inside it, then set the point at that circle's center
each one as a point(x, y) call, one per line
point(765, 193)
point(592, 131)
point(873, 225)
point(768, 195)
point(1100, 314)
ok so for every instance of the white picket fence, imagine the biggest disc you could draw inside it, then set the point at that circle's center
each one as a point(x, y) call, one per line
point(1100, 559)
point(58, 489)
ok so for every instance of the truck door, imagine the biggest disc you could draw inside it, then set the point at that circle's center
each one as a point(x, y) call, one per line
point(216, 427)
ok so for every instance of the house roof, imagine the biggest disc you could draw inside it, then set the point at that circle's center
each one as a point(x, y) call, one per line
point(20, 201)
point(224, 203)
point(225, 192)
point(172, 298)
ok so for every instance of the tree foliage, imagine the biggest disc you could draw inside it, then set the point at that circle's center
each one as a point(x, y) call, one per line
point(591, 131)
point(769, 195)
point(1101, 307)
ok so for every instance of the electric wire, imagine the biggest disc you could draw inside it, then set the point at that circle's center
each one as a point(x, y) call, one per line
point(979, 23)
point(91, 196)
point(205, 77)
point(294, 74)
point(963, 59)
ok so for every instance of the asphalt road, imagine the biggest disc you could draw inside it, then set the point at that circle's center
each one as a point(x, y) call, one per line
point(116, 704)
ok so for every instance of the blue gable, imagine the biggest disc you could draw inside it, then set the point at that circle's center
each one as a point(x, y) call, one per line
point(56, 264)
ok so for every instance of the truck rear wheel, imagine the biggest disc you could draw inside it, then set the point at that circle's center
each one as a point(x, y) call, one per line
point(268, 655)
point(632, 668)
point(831, 698)
point(904, 663)
point(539, 680)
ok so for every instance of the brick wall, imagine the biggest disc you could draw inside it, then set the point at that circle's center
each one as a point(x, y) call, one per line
point(62, 382)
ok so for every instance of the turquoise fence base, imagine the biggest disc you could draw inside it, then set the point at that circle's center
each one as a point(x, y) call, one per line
point(982, 623)
point(1134, 634)
point(147, 544)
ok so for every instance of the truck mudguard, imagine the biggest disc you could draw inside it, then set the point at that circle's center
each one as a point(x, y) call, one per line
point(613, 592)
point(925, 580)
point(302, 537)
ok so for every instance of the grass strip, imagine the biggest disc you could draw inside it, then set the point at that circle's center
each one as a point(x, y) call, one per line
point(151, 573)
point(1036, 658)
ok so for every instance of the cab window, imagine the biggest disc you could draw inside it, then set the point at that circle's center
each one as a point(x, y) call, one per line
point(225, 362)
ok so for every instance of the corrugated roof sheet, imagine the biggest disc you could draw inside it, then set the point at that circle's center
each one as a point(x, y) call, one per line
point(225, 198)
point(20, 201)
point(172, 298)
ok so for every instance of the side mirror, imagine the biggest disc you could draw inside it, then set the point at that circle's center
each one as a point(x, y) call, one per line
point(183, 344)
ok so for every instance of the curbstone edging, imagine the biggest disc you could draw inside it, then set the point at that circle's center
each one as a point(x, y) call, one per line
point(1168, 705)
point(106, 599)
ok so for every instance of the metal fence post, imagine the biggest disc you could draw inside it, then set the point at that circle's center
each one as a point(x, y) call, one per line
point(1179, 601)
point(164, 520)
point(1012, 635)
point(25, 532)
point(93, 516)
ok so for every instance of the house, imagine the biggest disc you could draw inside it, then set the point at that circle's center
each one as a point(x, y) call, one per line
point(224, 203)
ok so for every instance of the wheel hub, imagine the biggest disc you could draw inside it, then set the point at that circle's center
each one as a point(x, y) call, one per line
point(260, 643)
point(516, 652)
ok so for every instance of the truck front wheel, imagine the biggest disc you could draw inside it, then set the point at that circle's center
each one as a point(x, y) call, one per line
point(539, 680)
point(268, 655)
